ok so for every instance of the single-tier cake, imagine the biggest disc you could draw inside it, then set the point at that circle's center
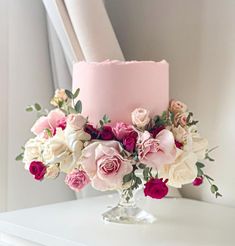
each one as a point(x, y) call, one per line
point(116, 88)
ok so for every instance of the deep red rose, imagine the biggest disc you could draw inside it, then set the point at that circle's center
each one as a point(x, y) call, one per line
point(38, 169)
point(129, 141)
point(198, 181)
point(106, 133)
point(178, 144)
point(156, 188)
point(156, 130)
point(92, 131)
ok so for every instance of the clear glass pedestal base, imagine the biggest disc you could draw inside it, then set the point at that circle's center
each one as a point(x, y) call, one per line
point(126, 212)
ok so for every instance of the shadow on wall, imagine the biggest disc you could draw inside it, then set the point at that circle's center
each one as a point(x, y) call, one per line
point(197, 38)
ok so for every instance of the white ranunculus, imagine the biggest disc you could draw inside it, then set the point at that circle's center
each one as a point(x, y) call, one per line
point(33, 149)
point(56, 149)
point(75, 141)
point(140, 117)
point(182, 171)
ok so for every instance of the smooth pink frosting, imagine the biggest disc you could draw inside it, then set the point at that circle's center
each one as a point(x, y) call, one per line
point(116, 88)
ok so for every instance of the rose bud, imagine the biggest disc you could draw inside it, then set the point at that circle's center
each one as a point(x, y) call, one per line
point(198, 181)
point(106, 133)
point(38, 169)
point(156, 188)
point(129, 142)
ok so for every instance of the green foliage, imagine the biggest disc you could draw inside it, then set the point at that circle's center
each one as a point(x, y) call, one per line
point(78, 106)
point(104, 120)
point(69, 94)
point(75, 95)
point(19, 157)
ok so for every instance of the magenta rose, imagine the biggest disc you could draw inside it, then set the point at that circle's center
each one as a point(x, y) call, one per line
point(198, 181)
point(90, 129)
point(77, 180)
point(156, 188)
point(104, 164)
point(121, 130)
point(38, 169)
point(129, 141)
point(155, 152)
point(106, 133)
point(56, 118)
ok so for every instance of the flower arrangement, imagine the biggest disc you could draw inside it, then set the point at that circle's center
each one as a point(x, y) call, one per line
point(166, 150)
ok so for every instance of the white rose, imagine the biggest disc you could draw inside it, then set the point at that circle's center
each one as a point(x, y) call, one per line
point(195, 143)
point(76, 121)
point(52, 171)
point(33, 149)
point(182, 171)
point(55, 148)
point(140, 117)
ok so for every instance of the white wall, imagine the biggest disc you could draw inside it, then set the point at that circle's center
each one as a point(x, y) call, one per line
point(30, 80)
point(197, 38)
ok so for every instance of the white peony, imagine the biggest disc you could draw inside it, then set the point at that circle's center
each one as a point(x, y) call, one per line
point(182, 171)
point(33, 149)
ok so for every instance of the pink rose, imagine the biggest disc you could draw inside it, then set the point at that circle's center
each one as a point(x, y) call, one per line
point(121, 130)
point(77, 180)
point(156, 188)
point(106, 133)
point(38, 169)
point(177, 107)
point(56, 118)
point(129, 141)
point(198, 181)
point(155, 152)
point(76, 121)
point(181, 119)
point(104, 164)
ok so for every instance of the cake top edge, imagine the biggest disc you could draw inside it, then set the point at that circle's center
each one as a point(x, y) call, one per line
point(118, 62)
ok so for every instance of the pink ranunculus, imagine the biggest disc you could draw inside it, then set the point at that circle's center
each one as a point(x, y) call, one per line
point(37, 169)
point(177, 107)
point(181, 119)
point(156, 188)
point(121, 130)
point(106, 133)
point(76, 121)
point(155, 152)
point(56, 118)
point(77, 180)
point(129, 141)
point(104, 164)
point(198, 181)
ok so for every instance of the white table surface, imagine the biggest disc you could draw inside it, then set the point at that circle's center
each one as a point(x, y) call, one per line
point(181, 222)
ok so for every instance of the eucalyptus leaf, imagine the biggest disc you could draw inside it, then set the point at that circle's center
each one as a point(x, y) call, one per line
point(78, 107)
point(208, 177)
point(127, 178)
point(141, 166)
point(214, 188)
point(29, 109)
point(76, 93)
point(19, 157)
point(69, 94)
point(37, 107)
point(200, 165)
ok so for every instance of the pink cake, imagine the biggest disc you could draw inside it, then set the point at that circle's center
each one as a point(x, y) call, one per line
point(116, 88)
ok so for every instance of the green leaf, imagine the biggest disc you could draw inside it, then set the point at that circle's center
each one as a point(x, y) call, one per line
point(217, 194)
point(208, 177)
point(37, 107)
point(214, 188)
point(138, 180)
point(76, 93)
point(72, 110)
point(19, 157)
point(106, 119)
point(200, 165)
point(141, 166)
point(199, 172)
point(69, 94)
point(145, 173)
point(128, 177)
point(101, 123)
point(78, 107)
point(29, 109)
point(209, 158)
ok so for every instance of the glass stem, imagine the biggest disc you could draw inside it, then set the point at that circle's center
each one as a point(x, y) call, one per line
point(127, 199)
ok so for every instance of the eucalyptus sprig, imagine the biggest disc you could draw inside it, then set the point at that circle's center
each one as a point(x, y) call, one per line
point(105, 120)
